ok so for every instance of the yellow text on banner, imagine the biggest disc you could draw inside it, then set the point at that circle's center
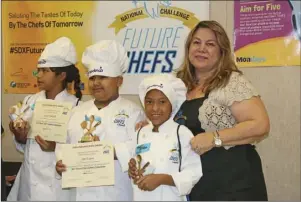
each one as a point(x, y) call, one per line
point(188, 18)
point(129, 16)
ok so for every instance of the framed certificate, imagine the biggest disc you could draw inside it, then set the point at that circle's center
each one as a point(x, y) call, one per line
point(50, 120)
point(88, 164)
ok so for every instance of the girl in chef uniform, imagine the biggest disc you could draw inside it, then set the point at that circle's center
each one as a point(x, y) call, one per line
point(36, 178)
point(168, 168)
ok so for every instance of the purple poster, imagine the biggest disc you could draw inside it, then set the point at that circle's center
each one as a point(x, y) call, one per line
point(267, 33)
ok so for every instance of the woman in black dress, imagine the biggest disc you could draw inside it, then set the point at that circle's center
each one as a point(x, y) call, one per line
point(226, 115)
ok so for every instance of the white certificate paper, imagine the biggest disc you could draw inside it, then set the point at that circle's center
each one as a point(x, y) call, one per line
point(50, 119)
point(88, 164)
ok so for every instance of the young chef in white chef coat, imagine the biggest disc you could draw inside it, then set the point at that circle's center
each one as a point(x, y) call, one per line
point(36, 178)
point(106, 62)
point(169, 167)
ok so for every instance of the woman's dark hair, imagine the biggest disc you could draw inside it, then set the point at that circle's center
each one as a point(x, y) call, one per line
point(72, 74)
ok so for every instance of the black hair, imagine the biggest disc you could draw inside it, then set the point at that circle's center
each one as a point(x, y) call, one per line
point(72, 74)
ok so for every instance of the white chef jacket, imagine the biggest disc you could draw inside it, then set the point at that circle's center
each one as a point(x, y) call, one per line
point(36, 177)
point(161, 149)
point(118, 121)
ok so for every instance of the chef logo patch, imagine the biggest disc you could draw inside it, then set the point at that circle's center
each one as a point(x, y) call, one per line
point(174, 154)
point(89, 125)
point(120, 118)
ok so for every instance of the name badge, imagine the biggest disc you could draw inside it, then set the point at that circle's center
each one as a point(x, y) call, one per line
point(143, 148)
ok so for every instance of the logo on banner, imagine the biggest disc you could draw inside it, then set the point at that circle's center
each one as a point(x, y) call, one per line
point(14, 84)
point(153, 9)
point(250, 59)
point(153, 44)
point(19, 73)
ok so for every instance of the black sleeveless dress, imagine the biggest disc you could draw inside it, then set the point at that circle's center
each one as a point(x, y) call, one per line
point(234, 174)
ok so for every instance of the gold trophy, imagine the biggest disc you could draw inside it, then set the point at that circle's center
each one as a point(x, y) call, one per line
point(88, 135)
point(16, 115)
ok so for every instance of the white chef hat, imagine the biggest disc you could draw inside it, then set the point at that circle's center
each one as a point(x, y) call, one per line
point(173, 88)
point(60, 53)
point(105, 58)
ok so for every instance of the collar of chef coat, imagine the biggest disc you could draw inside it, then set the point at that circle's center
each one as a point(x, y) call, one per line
point(166, 128)
point(61, 96)
point(111, 104)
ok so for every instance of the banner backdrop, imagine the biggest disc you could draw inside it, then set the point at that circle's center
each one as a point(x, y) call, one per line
point(267, 33)
point(153, 32)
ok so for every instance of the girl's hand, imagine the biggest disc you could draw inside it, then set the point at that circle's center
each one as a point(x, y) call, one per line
point(21, 132)
point(95, 138)
point(45, 145)
point(60, 167)
point(149, 182)
point(132, 171)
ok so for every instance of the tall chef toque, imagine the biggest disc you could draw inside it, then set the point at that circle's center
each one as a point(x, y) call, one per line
point(60, 53)
point(105, 58)
point(173, 88)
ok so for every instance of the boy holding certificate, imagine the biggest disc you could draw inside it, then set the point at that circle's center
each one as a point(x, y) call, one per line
point(165, 168)
point(36, 178)
point(108, 117)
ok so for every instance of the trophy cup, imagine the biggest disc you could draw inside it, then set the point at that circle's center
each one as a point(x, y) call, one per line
point(88, 135)
point(16, 115)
